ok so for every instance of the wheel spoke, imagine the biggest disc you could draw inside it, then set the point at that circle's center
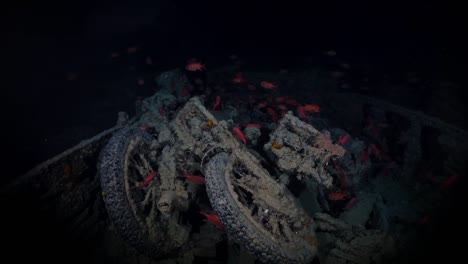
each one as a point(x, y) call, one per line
point(134, 163)
point(152, 214)
point(245, 187)
point(133, 181)
point(146, 165)
point(147, 197)
point(246, 183)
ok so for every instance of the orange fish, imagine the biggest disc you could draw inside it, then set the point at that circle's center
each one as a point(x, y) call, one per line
point(314, 108)
point(195, 66)
point(149, 177)
point(194, 178)
point(212, 218)
point(239, 134)
point(276, 145)
point(268, 85)
point(209, 123)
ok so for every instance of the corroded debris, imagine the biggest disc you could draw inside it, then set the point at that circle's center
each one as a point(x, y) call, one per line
point(344, 243)
point(302, 150)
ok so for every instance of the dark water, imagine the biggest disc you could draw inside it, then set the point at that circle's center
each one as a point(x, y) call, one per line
point(47, 40)
point(45, 113)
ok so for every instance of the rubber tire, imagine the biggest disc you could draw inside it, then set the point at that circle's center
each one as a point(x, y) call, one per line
point(238, 227)
point(111, 168)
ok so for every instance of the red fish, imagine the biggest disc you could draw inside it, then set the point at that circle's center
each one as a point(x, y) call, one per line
point(388, 167)
point(195, 66)
point(280, 99)
point(363, 157)
point(132, 49)
point(213, 219)
point(342, 139)
point(67, 172)
point(301, 112)
point(149, 61)
point(239, 134)
point(268, 85)
point(350, 204)
point(114, 55)
point(140, 81)
point(448, 182)
point(149, 177)
point(291, 101)
point(314, 108)
point(340, 172)
point(424, 220)
point(142, 127)
point(372, 128)
point(194, 178)
point(282, 107)
point(261, 105)
point(184, 91)
point(273, 114)
point(216, 102)
point(162, 113)
point(374, 150)
point(258, 126)
point(337, 196)
point(283, 112)
point(238, 79)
